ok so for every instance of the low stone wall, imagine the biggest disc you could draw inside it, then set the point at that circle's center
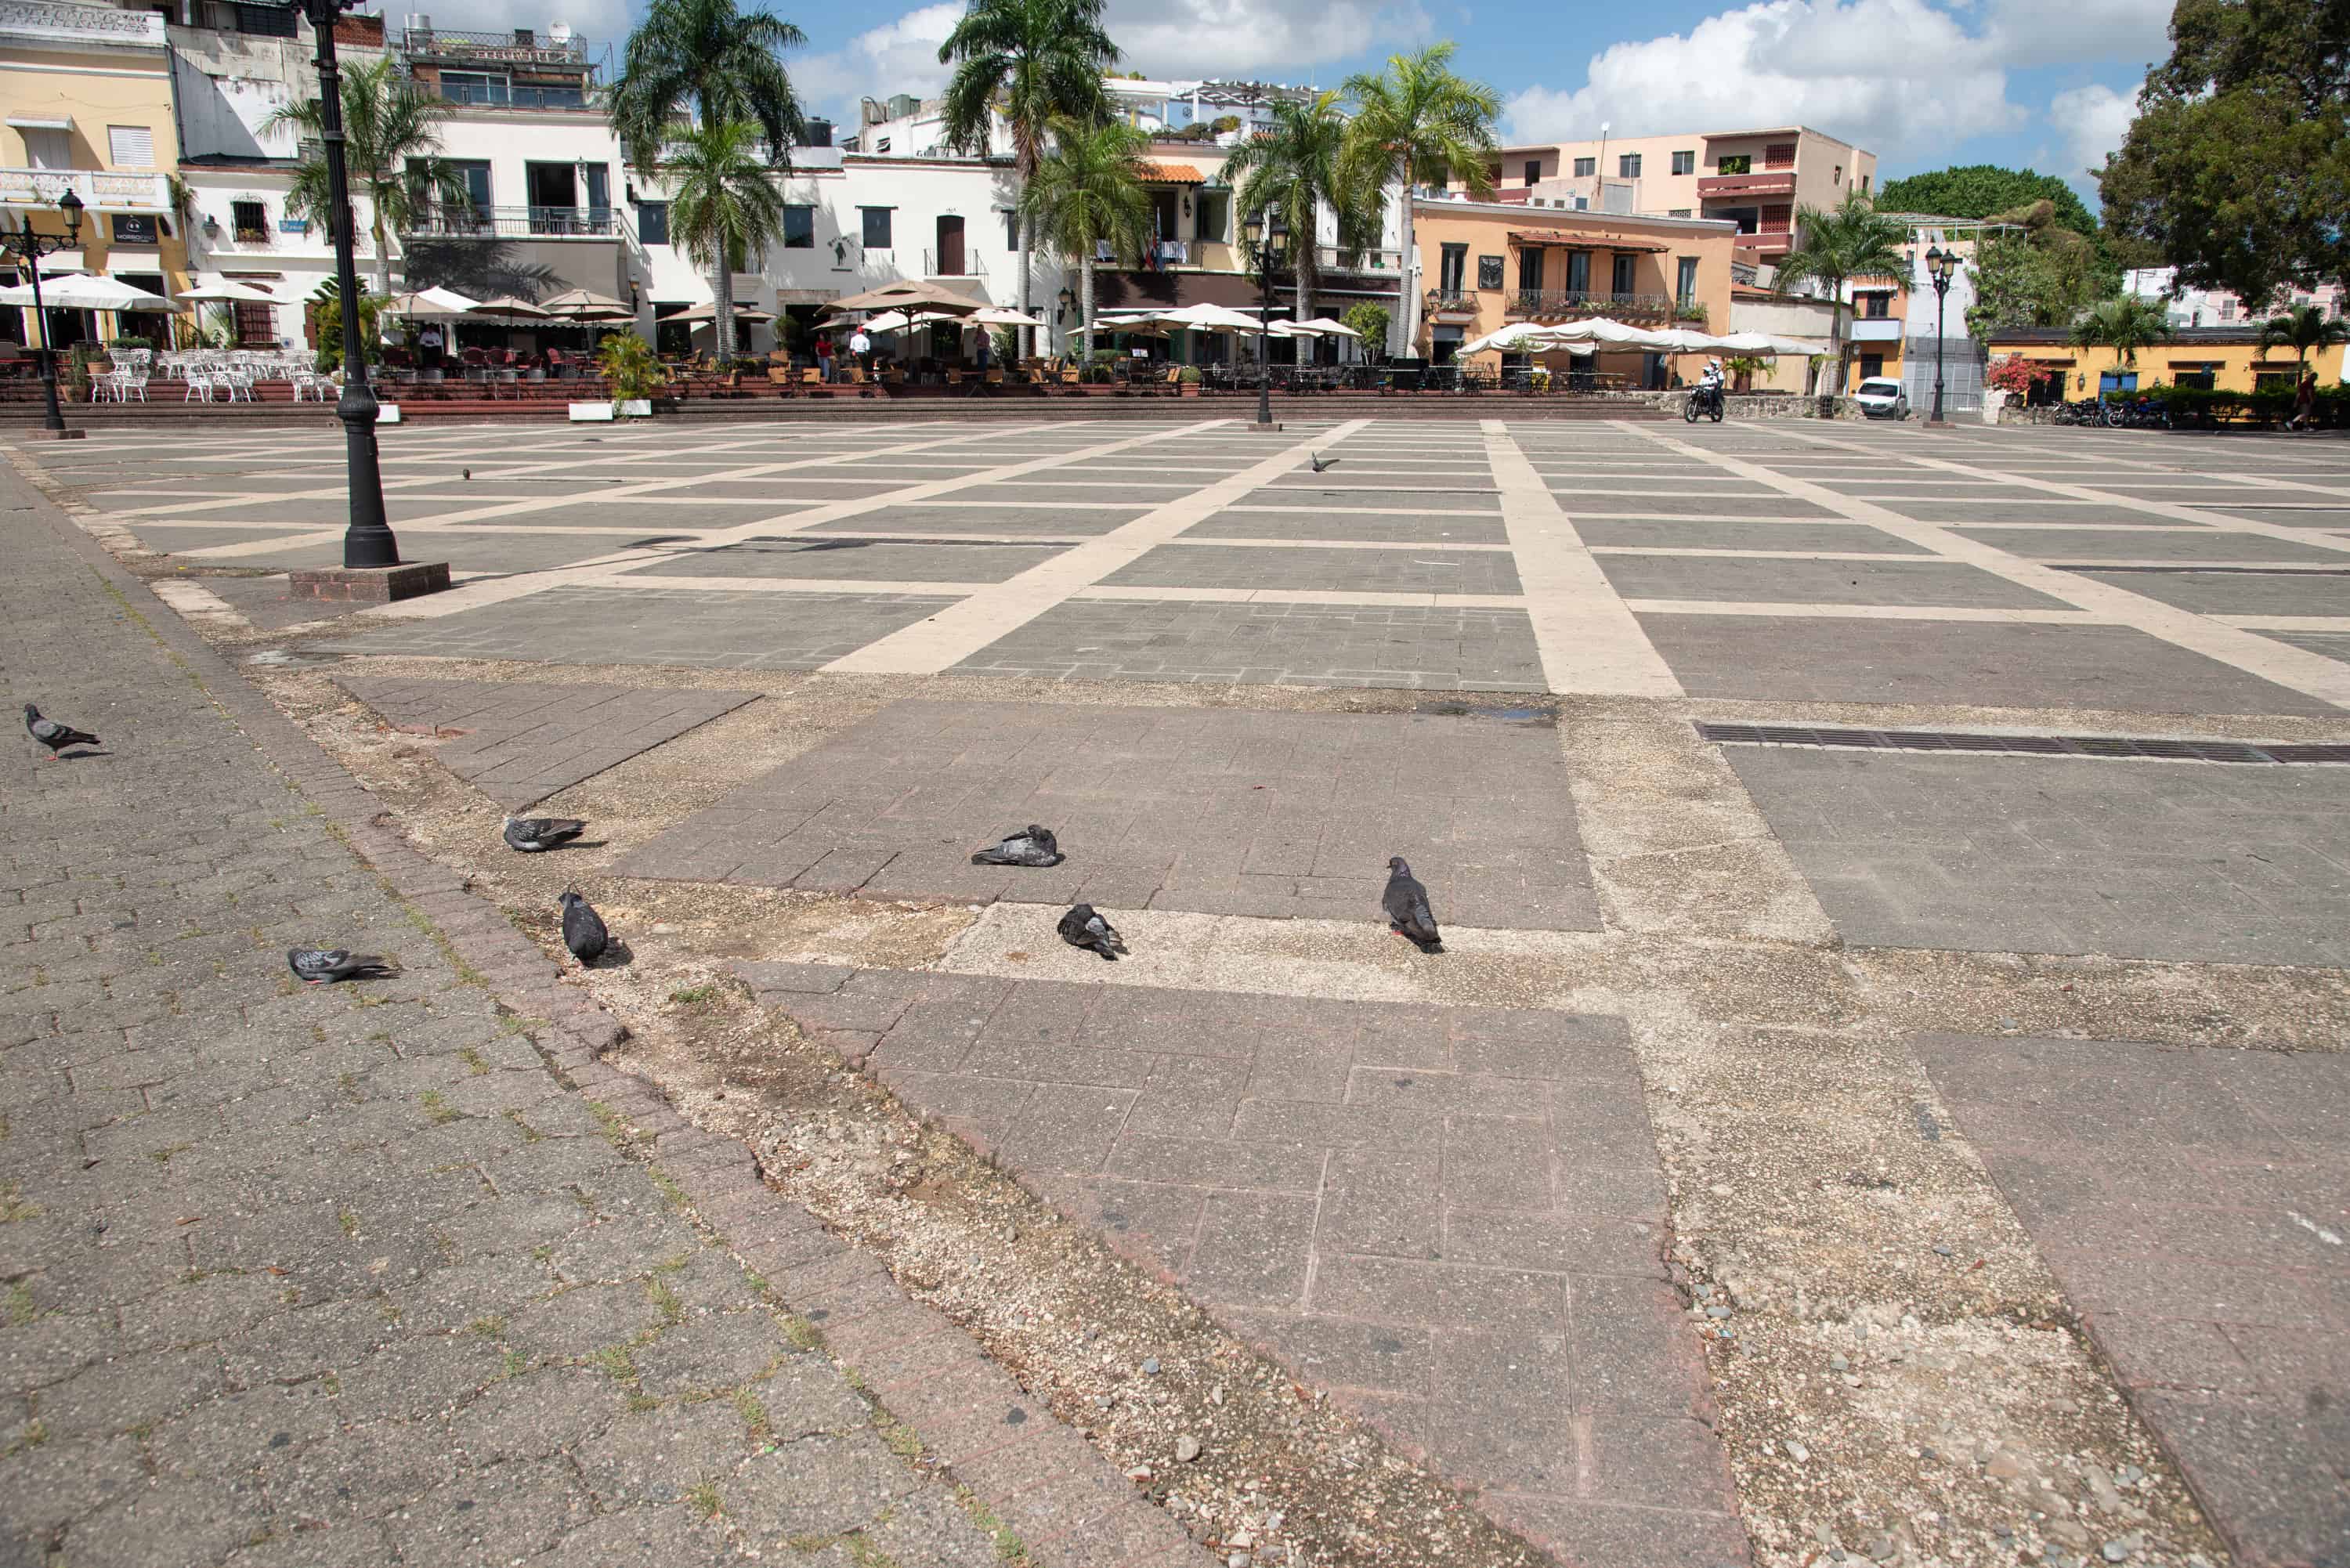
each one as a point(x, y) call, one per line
point(1752, 405)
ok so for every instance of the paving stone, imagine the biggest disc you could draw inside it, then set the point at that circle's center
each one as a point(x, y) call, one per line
point(1429, 570)
point(852, 556)
point(1756, 580)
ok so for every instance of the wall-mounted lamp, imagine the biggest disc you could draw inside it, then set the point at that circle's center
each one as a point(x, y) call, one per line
point(212, 226)
point(1068, 303)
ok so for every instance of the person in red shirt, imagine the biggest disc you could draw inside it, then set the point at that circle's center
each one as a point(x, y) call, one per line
point(824, 358)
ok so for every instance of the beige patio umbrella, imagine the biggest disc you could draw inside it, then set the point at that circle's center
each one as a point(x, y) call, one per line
point(708, 311)
point(511, 305)
point(586, 305)
point(912, 294)
point(424, 302)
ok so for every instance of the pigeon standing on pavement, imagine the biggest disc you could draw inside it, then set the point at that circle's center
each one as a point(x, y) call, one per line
point(465, 472)
point(1083, 927)
point(1319, 462)
point(56, 736)
point(1031, 845)
point(1406, 903)
point(532, 834)
point(314, 966)
point(582, 930)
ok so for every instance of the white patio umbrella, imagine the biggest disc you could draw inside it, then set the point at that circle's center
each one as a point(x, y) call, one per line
point(1524, 338)
point(1609, 334)
point(1211, 318)
point(1003, 315)
point(81, 291)
point(1333, 327)
point(512, 305)
point(1761, 343)
point(228, 290)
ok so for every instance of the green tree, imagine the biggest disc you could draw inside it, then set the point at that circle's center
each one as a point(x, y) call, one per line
point(2039, 274)
point(1289, 172)
point(1833, 247)
point(390, 154)
point(327, 313)
point(1983, 191)
point(724, 208)
point(1036, 62)
point(1416, 122)
point(1086, 192)
point(709, 63)
point(1369, 321)
point(2124, 324)
point(2304, 329)
point(2238, 165)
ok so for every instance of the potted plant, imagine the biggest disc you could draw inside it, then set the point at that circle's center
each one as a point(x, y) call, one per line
point(1187, 383)
point(627, 362)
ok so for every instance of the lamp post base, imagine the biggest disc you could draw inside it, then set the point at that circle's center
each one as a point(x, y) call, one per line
point(1934, 424)
point(1264, 426)
point(368, 585)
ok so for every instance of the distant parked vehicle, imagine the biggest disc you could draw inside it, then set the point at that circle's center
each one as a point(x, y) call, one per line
point(1881, 398)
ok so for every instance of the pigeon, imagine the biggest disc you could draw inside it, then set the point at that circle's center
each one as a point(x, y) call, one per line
point(1406, 903)
point(532, 834)
point(464, 473)
point(1083, 927)
point(1031, 845)
point(1319, 462)
point(313, 966)
point(54, 735)
point(582, 930)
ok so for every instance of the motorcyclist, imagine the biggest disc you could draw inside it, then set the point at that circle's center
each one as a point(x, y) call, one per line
point(1709, 383)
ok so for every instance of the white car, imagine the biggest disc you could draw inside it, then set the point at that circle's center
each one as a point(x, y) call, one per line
point(1881, 398)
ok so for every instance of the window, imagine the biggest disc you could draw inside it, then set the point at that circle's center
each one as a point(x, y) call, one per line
point(1677, 212)
point(1534, 170)
point(249, 222)
point(1864, 184)
point(1777, 217)
point(1625, 279)
point(475, 87)
point(1779, 155)
point(652, 222)
point(1736, 163)
point(1685, 162)
point(1011, 229)
point(47, 147)
point(1871, 367)
point(1586, 167)
point(799, 228)
point(1627, 166)
point(882, 145)
point(1874, 305)
point(1578, 272)
point(256, 325)
point(599, 196)
point(1448, 270)
point(2199, 373)
point(1208, 213)
point(131, 146)
point(1530, 270)
point(1685, 283)
point(1488, 272)
point(265, 21)
point(1839, 175)
point(877, 228)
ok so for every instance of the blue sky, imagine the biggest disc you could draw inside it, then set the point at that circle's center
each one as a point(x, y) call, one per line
point(1923, 83)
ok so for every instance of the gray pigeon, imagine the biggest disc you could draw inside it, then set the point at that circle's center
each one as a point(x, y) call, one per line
point(532, 834)
point(1031, 845)
point(1083, 927)
point(1321, 463)
point(466, 473)
point(56, 736)
point(313, 966)
point(1406, 903)
point(582, 930)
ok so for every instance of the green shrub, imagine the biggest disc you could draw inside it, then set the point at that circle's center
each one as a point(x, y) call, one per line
point(330, 331)
point(627, 362)
point(1190, 375)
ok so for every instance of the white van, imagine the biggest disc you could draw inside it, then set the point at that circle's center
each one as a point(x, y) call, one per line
point(1881, 398)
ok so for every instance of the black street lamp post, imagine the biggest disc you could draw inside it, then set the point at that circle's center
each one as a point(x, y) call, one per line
point(23, 242)
point(1261, 253)
point(1940, 264)
point(368, 540)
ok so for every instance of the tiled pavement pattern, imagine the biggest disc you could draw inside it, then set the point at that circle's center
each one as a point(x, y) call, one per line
point(2052, 855)
point(2192, 1203)
point(1212, 810)
point(345, 1276)
point(519, 742)
point(1450, 1216)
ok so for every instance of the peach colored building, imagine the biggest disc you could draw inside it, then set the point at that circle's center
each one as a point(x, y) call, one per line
point(1486, 264)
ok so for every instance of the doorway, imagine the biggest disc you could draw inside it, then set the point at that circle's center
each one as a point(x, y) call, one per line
point(950, 257)
point(553, 194)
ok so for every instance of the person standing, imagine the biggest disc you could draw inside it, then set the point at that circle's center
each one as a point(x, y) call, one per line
point(824, 358)
point(862, 347)
point(2304, 403)
point(429, 341)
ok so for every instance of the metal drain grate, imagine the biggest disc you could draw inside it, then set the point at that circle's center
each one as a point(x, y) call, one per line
point(2021, 745)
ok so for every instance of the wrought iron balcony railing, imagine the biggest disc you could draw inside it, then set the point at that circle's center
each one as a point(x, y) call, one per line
point(518, 222)
point(1535, 303)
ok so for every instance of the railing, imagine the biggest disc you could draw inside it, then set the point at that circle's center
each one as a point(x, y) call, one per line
point(934, 265)
point(499, 95)
point(66, 23)
point(100, 190)
point(1330, 258)
point(1523, 303)
point(250, 236)
point(1451, 299)
point(517, 223)
point(522, 47)
point(1776, 182)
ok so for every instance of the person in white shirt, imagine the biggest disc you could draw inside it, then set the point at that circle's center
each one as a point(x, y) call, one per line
point(1712, 379)
point(862, 347)
point(429, 340)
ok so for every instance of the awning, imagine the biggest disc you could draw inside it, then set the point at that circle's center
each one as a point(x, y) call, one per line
point(1154, 174)
point(37, 122)
point(1587, 242)
point(1171, 290)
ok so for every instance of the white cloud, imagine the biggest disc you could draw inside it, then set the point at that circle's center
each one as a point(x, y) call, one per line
point(1185, 38)
point(2034, 33)
point(2093, 120)
point(599, 22)
point(897, 57)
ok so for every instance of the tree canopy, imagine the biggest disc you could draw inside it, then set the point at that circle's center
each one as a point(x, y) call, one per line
point(710, 56)
point(2238, 165)
point(1983, 191)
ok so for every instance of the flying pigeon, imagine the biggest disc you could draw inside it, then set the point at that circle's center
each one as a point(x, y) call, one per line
point(1084, 928)
point(532, 834)
point(313, 965)
point(54, 735)
point(1319, 462)
point(1031, 845)
point(582, 930)
point(1406, 903)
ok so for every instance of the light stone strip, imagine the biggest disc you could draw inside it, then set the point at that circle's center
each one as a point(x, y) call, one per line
point(1862, 612)
point(1588, 638)
point(1366, 596)
point(2311, 674)
point(1420, 545)
point(961, 631)
point(2287, 622)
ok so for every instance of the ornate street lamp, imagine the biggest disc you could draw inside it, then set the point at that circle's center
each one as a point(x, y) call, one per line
point(1939, 264)
point(368, 540)
point(23, 242)
point(1261, 245)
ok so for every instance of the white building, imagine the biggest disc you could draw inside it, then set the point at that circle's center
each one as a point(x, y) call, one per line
point(905, 126)
point(2218, 306)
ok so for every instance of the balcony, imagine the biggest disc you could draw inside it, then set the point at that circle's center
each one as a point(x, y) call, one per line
point(1331, 259)
point(1777, 242)
point(520, 46)
point(100, 190)
point(949, 264)
point(499, 95)
point(1722, 187)
point(42, 24)
point(1875, 329)
point(518, 222)
point(1444, 302)
point(1571, 304)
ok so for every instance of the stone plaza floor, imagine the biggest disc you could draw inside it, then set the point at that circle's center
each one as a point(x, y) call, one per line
point(1910, 1131)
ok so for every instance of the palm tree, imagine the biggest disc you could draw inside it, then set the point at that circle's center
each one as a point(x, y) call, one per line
point(1833, 248)
point(2124, 324)
point(723, 65)
point(2304, 329)
point(1036, 62)
point(1293, 171)
point(724, 208)
point(1417, 123)
point(1087, 193)
point(390, 151)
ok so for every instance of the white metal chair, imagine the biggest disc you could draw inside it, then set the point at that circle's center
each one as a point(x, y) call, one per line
point(200, 387)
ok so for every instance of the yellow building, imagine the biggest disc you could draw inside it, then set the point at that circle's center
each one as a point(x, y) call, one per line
point(2217, 358)
point(86, 106)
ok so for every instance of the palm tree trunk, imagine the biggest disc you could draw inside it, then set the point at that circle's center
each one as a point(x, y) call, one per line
point(722, 293)
point(383, 252)
point(1086, 320)
point(1303, 311)
point(1028, 249)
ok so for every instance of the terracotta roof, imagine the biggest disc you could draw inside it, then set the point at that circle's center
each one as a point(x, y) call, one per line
point(1172, 173)
point(1595, 242)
